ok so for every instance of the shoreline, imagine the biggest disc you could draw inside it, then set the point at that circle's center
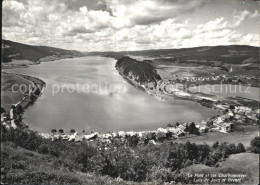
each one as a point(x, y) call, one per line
point(34, 93)
point(10, 65)
point(160, 96)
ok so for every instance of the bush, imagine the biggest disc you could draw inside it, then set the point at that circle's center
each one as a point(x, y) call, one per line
point(2, 110)
point(192, 129)
point(43, 149)
point(61, 131)
point(209, 161)
point(48, 149)
point(240, 148)
point(28, 140)
point(255, 145)
point(132, 140)
point(215, 145)
point(39, 178)
point(132, 162)
point(160, 174)
point(169, 125)
point(83, 157)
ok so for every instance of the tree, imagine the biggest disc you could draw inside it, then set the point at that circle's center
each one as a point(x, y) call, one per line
point(209, 123)
point(175, 158)
point(188, 163)
point(232, 107)
point(232, 149)
point(192, 129)
point(225, 111)
point(169, 125)
point(190, 151)
point(203, 152)
point(215, 145)
point(53, 131)
point(37, 91)
point(2, 110)
point(61, 131)
point(240, 148)
point(217, 155)
point(133, 140)
point(177, 124)
point(72, 131)
point(255, 145)
point(19, 109)
point(209, 161)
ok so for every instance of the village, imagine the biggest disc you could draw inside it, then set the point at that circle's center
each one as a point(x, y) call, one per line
point(221, 123)
point(230, 116)
point(215, 78)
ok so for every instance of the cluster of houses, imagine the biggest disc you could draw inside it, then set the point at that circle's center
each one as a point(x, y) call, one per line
point(243, 113)
point(223, 123)
point(159, 134)
point(190, 79)
point(213, 77)
point(239, 114)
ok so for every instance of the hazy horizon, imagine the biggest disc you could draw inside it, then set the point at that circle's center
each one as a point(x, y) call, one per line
point(136, 50)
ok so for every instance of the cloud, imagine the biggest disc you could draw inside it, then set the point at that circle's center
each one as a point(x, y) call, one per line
point(214, 25)
point(75, 5)
point(145, 12)
point(239, 17)
point(78, 30)
point(242, 16)
point(255, 14)
point(126, 24)
point(14, 9)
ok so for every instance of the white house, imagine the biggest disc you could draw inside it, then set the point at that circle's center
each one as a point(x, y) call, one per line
point(225, 127)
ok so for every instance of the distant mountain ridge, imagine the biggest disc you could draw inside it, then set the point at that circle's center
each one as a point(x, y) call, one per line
point(230, 54)
point(14, 50)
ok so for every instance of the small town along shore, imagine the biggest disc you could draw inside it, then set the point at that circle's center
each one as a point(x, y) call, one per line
point(231, 114)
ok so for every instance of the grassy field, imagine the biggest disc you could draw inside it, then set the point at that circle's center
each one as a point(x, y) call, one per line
point(231, 137)
point(244, 163)
point(9, 97)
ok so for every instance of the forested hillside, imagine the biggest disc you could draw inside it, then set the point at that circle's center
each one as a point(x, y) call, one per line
point(13, 50)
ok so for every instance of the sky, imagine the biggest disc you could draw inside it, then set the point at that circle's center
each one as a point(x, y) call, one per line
point(119, 25)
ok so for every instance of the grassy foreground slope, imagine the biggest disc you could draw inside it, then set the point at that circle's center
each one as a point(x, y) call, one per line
point(243, 163)
point(21, 166)
point(26, 158)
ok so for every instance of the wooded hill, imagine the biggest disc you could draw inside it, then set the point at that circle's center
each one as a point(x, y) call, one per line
point(14, 50)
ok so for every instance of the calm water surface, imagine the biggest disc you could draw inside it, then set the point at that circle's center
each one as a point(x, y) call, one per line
point(128, 109)
point(228, 90)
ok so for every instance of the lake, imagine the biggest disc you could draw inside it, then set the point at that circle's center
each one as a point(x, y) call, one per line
point(88, 94)
point(228, 90)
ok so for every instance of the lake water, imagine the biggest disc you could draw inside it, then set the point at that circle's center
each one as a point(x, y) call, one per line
point(99, 109)
point(228, 90)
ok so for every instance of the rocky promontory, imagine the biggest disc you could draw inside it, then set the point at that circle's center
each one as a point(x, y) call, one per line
point(138, 72)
